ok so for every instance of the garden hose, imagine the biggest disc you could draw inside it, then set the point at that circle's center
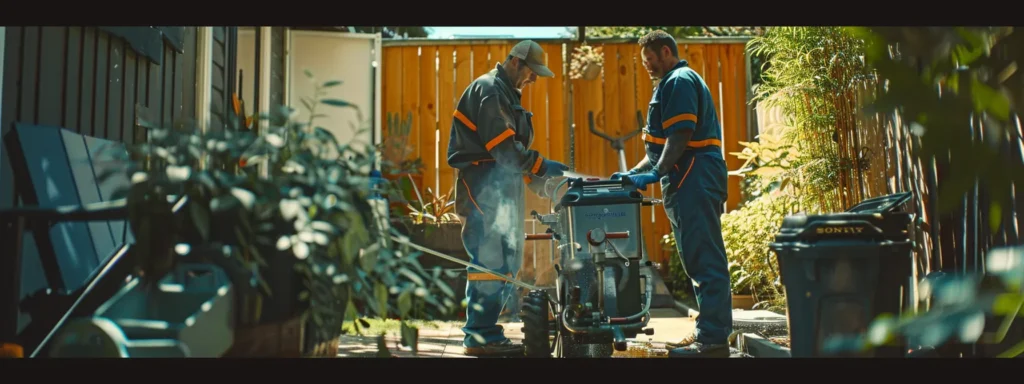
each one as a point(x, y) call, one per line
point(467, 264)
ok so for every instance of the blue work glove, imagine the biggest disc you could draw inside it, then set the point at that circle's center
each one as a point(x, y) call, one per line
point(554, 169)
point(643, 178)
point(619, 175)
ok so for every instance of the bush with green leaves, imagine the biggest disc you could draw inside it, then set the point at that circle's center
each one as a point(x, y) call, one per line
point(816, 74)
point(961, 92)
point(289, 205)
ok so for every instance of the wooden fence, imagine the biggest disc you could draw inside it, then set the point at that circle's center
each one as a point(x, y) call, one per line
point(426, 78)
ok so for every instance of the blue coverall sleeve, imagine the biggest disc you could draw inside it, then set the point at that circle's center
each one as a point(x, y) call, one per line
point(497, 128)
point(679, 108)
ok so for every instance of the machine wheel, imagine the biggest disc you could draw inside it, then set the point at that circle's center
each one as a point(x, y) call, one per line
point(536, 326)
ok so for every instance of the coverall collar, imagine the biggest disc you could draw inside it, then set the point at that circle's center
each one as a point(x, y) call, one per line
point(500, 74)
point(682, 63)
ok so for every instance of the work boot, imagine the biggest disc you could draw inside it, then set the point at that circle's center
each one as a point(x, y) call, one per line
point(496, 349)
point(698, 349)
point(686, 341)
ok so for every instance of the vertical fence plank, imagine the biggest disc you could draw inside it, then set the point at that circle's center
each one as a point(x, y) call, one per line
point(392, 85)
point(410, 103)
point(696, 59)
point(627, 101)
point(445, 108)
point(608, 121)
point(496, 53)
point(732, 131)
point(427, 124)
point(558, 132)
point(712, 75)
point(481, 61)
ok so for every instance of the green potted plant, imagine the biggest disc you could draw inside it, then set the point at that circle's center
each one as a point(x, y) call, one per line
point(586, 63)
point(287, 215)
point(433, 223)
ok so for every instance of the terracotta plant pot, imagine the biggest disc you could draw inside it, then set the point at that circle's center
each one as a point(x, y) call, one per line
point(743, 302)
point(282, 339)
point(592, 71)
point(278, 339)
point(445, 238)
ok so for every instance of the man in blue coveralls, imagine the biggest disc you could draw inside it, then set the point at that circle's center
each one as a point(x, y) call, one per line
point(683, 144)
point(490, 144)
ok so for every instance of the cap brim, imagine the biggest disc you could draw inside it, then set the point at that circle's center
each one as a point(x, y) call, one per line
point(541, 70)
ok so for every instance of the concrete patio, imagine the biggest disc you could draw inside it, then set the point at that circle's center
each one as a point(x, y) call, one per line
point(444, 339)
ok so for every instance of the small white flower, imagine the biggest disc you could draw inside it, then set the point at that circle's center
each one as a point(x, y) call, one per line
point(182, 249)
point(246, 197)
point(139, 177)
point(274, 140)
point(283, 243)
point(290, 209)
point(178, 172)
point(301, 250)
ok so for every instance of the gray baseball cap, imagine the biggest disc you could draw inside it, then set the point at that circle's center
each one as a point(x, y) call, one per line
point(531, 53)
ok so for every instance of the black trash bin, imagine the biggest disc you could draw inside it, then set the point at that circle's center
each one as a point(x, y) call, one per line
point(840, 271)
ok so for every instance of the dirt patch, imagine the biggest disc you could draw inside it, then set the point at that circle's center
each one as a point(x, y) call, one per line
point(641, 350)
point(783, 341)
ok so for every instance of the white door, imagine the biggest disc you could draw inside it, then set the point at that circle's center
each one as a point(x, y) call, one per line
point(353, 59)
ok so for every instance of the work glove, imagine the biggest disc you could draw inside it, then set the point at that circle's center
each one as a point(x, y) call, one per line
point(554, 169)
point(620, 175)
point(643, 178)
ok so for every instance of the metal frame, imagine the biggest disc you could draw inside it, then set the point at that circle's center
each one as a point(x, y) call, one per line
point(204, 76)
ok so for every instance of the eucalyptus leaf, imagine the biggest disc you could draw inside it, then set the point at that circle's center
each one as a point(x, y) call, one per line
point(380, 293)
point(201, 219)
point(405, 302)
point(410, 336)
point(337, 103)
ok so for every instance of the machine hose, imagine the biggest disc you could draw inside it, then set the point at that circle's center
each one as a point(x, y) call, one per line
point(405, 241)
point(616, 322)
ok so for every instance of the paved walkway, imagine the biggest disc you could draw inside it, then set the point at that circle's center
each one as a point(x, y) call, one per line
point(445, 340)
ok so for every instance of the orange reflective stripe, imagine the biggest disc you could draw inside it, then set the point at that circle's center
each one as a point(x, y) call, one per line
point(484, 276)
point(10, 350)
point(465, 120)
point(692, 144)
point(687, 172)
point(536, 165)
point(497, 140)
point(704, 143)
point(471, 199)
point(678, 118)
point(482, 161)
point(527, 179)
point(652, 139)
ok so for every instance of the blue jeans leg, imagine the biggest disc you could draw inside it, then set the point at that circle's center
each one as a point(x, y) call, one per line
point(493, 235)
